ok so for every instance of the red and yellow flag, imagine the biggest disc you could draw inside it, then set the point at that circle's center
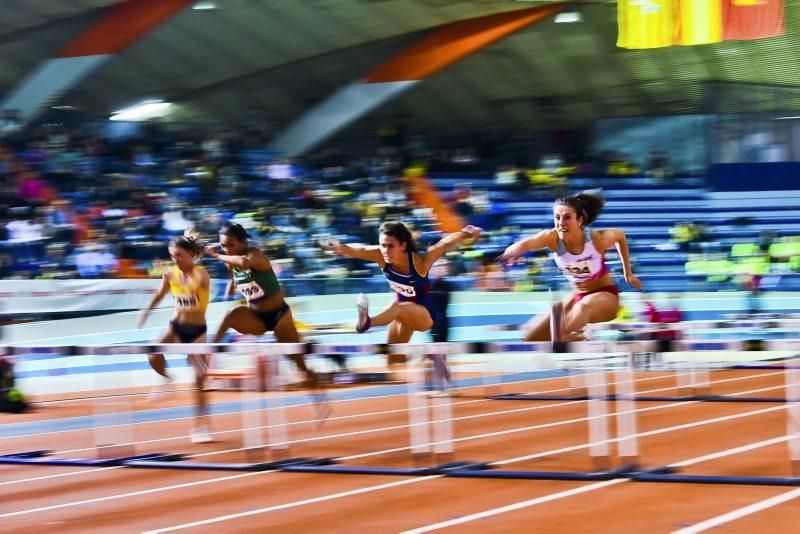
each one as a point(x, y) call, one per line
point(644, 23)
point(698, 22)
point(752, 19)
point(659, 23)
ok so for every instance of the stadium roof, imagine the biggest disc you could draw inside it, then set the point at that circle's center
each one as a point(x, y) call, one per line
point(267, 61)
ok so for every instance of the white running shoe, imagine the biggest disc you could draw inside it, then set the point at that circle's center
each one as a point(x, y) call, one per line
point(200, 435)
point(362, 306)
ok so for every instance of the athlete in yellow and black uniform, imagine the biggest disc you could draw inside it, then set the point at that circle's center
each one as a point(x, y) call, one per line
point(189, 285)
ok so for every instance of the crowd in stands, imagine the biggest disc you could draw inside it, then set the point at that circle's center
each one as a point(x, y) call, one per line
point(83, 207)
point(80, 206)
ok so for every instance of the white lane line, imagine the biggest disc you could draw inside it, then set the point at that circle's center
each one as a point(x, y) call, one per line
point(310, 421)
point(101, 469)
point(59, 475)
point(363, 490)
point(468, 518)
point(403, 426)
point(399, 449)
point(610, 440)
point(668, 375)
point(295, 504)
point(741, 512)
point(502, 509)
point(131, 494)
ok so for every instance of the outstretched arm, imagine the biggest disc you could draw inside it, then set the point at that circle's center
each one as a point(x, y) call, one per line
point(158, 297)
point(543, 239)
point(253, 259)
point(372, 253)
point(448, 243)
point(617, 237)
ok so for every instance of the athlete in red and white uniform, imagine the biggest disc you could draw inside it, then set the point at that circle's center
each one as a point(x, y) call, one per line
point(580, 254)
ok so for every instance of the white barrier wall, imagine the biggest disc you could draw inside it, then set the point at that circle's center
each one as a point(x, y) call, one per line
point(52, 296)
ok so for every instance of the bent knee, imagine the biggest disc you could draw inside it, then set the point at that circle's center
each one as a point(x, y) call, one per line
point(238, 311)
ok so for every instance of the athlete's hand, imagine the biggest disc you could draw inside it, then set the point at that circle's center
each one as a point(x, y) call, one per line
point(211, 250)
point(473, 232)
point(511, 255)
point(329, 245)
point(633, 281)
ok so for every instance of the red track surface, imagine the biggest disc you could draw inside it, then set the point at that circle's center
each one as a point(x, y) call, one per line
point(127, 500)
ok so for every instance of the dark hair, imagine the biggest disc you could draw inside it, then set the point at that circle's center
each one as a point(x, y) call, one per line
point(587, 205)
point(400, 232)
point(234, 230)
point(189, 242)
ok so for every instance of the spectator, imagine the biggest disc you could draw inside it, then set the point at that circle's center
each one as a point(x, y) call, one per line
point(95, 261)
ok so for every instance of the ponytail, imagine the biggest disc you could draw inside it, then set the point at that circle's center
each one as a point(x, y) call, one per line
point(190, 242)
point(587, 205)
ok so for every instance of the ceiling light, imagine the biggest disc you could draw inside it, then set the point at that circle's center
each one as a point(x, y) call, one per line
point(204, 5)
point(148, 109)
point(569, 16)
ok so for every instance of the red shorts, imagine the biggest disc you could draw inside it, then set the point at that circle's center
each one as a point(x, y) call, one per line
point(607, 289)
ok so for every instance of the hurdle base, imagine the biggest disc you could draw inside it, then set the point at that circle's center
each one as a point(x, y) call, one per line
point(639, 398)
point(346, 378)
point(704, 398)
point(779, 367)
point(671, 474)
point(339, 469)
point(535, 397)
point(42, 457)
point(177, 462)
point(609, 474)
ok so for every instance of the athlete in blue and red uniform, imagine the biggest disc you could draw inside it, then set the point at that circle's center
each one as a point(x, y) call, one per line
point(407, 274)
point(580, 254)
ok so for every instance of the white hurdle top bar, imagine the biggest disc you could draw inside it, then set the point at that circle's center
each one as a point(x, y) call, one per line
point(269, 349)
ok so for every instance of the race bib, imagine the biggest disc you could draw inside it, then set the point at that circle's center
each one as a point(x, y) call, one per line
point(186, 302)
point(402, 289)
point(582, 269)
point(250, 290)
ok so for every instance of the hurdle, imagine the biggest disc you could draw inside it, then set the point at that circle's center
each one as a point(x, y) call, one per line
point(108, 454)
point(609, 355)
point(684, 326)
point(434, 448)
point(590, 373)
point(252, 404)
point(430, 437)
point(692, 378)
point(105, 449)
point(430, 430)
point(672, 473)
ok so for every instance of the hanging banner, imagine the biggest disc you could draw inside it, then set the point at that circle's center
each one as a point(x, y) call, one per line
point(752, 19)
point(644, 23)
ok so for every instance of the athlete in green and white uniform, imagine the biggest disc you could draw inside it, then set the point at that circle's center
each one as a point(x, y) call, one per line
point(252, 275)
